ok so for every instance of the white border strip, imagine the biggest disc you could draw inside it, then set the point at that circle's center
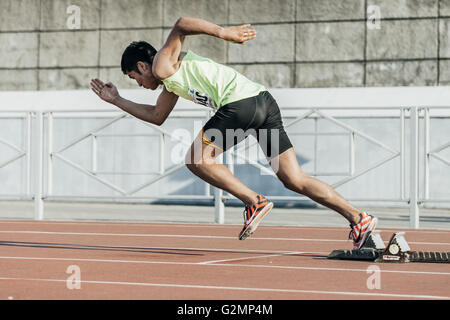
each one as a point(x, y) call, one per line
point(147, 284)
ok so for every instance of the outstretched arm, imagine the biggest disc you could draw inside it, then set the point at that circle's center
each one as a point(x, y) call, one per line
point(166, 60)
point(156, 114)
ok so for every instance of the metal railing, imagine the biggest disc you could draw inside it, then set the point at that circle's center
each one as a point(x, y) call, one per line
point(38, 149)
point(22, 152)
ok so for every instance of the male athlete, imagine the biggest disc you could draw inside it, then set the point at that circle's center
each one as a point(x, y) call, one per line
point(242, 106)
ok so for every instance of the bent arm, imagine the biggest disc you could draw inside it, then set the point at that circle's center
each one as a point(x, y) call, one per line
point(192, 26)
point(156, 114)
point(166, 60)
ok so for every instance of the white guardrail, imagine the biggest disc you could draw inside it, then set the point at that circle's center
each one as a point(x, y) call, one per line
point(36, 111)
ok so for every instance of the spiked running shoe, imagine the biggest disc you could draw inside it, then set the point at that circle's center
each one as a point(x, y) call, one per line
point(253, 215)
point(360, 232)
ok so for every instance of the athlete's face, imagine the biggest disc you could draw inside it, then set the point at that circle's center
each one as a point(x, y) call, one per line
point(145, 78)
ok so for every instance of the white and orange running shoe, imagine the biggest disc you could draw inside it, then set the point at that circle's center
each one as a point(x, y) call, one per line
point(361, 231)
point(253, 215)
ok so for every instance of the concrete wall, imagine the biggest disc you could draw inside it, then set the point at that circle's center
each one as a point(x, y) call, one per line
point(300, 43)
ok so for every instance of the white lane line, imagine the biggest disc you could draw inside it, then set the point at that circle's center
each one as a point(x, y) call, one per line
point(131, 247)
point(194, 225)
point(118, 223)
point(224, 265)
point(193, 236)
point(252, 257)
point(116, 234)
point(274, 290)
point(169, 224)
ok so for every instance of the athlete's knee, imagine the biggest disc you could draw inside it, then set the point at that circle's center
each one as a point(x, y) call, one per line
point(197, 163)
point(297, 182)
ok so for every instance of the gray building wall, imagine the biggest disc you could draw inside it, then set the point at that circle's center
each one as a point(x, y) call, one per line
point(300, 43)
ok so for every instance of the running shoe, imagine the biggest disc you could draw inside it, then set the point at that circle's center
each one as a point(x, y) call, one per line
point(253, 215)
point(361, 231)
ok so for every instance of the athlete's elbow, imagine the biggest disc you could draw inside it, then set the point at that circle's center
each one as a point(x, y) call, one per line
point(180, 21)
point(182, 26)
point(153, 118)
point(159, 121)
point(156, 122)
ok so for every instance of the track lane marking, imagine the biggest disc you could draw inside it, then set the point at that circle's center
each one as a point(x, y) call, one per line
point(253, 257)
point(193, 236)
point(224, 265)
point(206, 225)
point(233, 250)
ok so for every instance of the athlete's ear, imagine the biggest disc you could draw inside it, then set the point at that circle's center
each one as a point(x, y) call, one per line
point(142, 66)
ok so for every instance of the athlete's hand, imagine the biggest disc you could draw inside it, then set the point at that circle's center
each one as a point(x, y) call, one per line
point(238, 34)
point(106, 91)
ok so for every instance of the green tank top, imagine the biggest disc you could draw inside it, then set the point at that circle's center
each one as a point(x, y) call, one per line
point(208, 83)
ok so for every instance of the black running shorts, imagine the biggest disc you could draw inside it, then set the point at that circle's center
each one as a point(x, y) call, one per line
point(258, 116)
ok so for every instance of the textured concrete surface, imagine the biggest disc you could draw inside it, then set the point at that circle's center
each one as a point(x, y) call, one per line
point(330, 9)
point(401, 73)
point(337, 41)
point(19, 15)
point(54, 14)
point(18, 51)
point(330, 74)
point(300, 43)
point(414, 39)
point(409, 8)
point(69, 49)
point(131, 13)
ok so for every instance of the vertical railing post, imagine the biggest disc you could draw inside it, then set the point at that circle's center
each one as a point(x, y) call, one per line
point(94, 160)
point(49, 153)
point(315, 145)
point(38, 169)
point(414, 169)
point(402, 155)
point(219, 205)
point(352, 153)
point(426, 170)
point(28, 156)
point(162, 162)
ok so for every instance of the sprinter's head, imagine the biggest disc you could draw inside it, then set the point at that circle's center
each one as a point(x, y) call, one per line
point(137, 61)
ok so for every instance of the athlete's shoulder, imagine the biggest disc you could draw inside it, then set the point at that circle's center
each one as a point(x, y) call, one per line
point(163, 70)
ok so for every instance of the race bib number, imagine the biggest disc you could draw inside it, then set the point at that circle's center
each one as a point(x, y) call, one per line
point(202, 99)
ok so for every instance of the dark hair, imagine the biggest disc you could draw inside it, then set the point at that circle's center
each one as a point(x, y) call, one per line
point(137, 51)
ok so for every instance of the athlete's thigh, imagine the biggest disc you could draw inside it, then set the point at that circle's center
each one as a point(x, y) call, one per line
point(286, 165)
point(229, 125)
point(202, 150)
point(272, 136)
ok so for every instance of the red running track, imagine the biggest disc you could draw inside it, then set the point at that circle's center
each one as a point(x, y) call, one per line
point(39, 260)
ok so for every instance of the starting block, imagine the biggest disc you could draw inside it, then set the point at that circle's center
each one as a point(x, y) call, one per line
point(370, 251)
point(397, 250)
